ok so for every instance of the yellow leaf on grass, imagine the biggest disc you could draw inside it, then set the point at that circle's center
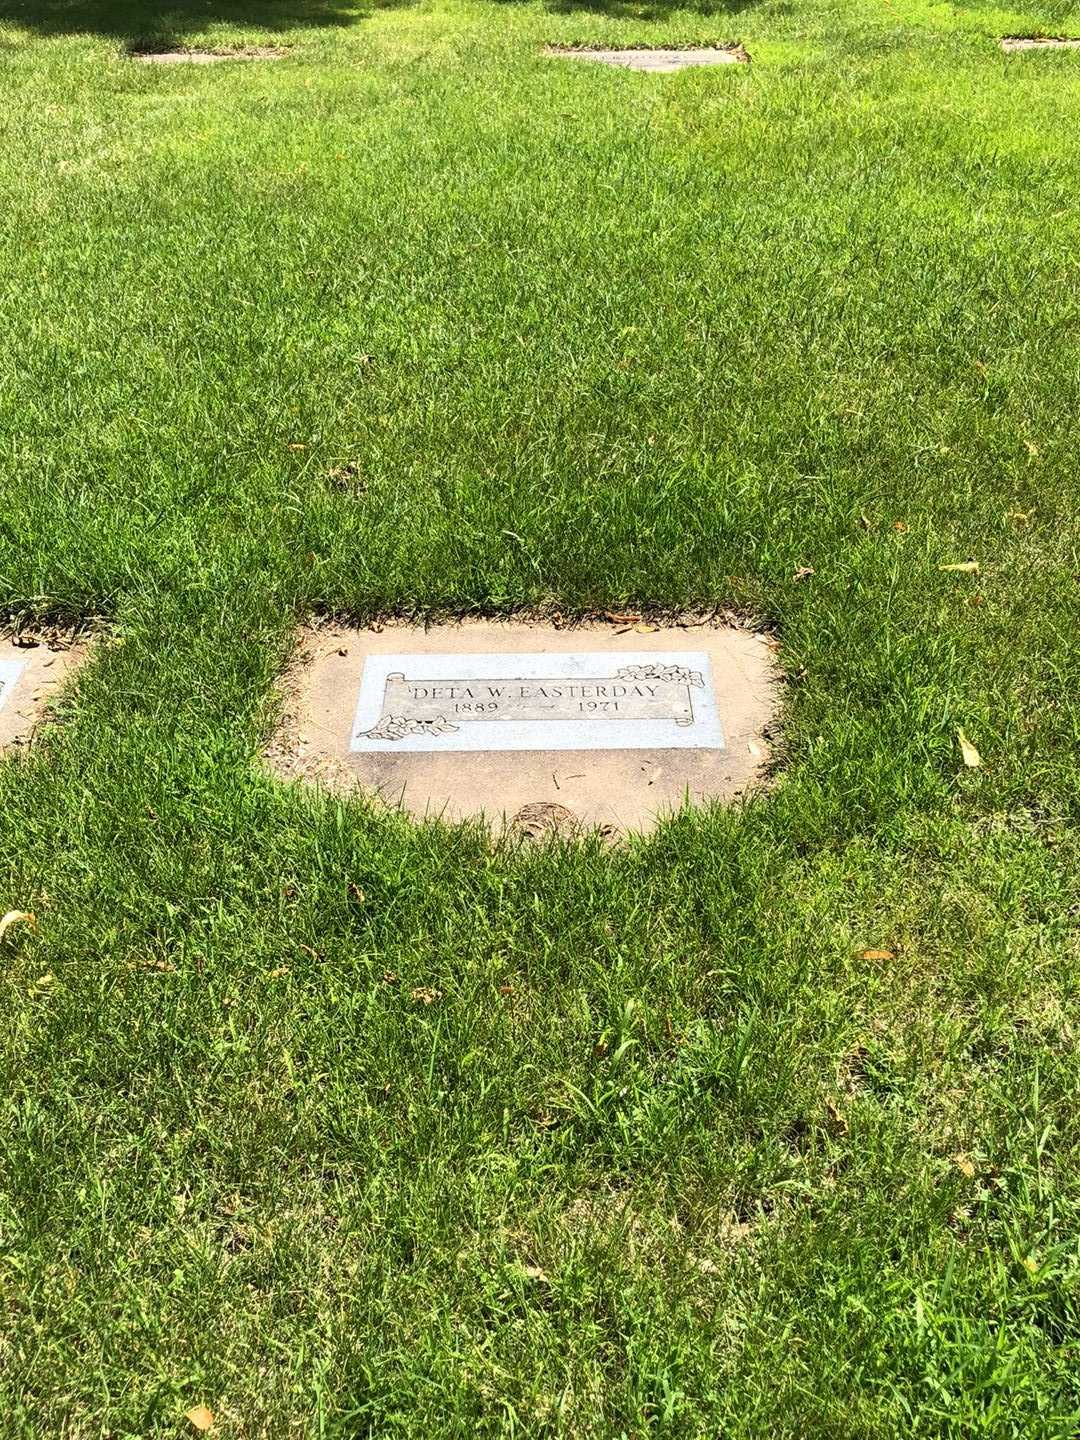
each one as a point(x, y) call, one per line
point(965, 567)
point(964, 1165)
point(17, 917)
point(972, 758)
point(878, 954)
point(200, 1417)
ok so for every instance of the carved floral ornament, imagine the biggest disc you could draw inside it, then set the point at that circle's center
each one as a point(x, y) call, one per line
point(396, 727)
point(673, 674)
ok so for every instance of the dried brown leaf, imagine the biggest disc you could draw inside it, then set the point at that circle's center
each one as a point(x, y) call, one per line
point(704, 1265)
point(971, 756)
point(877, 954)
point(836, 1116)
point(17, 917)
point(200, 1417)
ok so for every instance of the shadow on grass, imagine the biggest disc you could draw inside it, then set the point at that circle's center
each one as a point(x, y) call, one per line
point(139, 22)
point(645, 9)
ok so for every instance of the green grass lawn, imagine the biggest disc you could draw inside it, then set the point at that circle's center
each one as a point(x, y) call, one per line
point(667, 1155)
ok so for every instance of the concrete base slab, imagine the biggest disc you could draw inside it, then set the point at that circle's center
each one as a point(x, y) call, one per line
point(533, 727)
point(656, 62)
point(207, 57)
point(1012, 43)
point(30, 673)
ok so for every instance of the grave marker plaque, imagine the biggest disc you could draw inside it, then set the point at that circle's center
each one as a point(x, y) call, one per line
point(10, 670)
point(598, 700)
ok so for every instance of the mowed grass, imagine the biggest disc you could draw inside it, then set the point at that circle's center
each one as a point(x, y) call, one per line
point(341, 1126)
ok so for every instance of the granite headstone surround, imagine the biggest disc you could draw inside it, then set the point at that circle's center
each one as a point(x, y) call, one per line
point(615, 724)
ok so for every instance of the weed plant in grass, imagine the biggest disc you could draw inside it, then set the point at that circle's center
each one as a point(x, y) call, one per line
point(342, 1126)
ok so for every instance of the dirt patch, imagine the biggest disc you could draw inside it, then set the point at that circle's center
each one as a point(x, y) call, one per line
point(541, 820)
point(1012, 43)
point(541, 729)
point(606, 1218)
point(32, 668)
point(347, 480)
point(207, 57)
point(655, 61)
